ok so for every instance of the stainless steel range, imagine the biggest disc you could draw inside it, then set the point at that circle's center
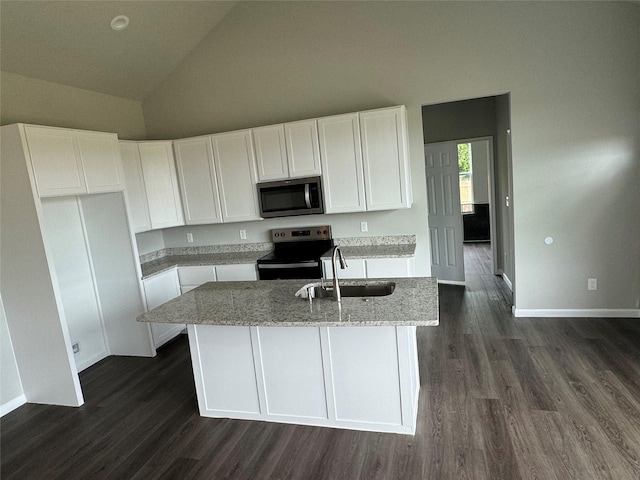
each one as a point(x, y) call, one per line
point(296, 254)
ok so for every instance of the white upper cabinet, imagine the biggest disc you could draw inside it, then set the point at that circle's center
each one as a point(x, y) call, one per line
point(235, 168)
point(101, 161)
point(161, 184)
point(135, 191)
point(271, 153)
point(287, 151)
point(71, 162)
point(303, 152)
point(385, 158)
point(198, 182)
point(341, 157)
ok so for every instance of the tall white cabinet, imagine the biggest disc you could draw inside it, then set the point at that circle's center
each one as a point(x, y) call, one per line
point(69, 269)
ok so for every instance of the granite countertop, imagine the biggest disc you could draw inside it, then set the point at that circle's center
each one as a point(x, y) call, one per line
point(375, 251)
point(191, 260)
point(273, 303)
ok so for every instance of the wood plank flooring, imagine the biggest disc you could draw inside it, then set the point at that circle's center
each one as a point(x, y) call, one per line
point(501, 398)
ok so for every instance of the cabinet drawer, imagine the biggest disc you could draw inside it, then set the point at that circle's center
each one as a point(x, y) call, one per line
point(196, 275)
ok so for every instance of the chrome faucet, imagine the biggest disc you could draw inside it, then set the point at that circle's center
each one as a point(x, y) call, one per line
point(337, 254)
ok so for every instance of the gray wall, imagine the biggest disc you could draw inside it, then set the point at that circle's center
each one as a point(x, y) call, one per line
point(28, 100)
point(10, 384)
point(572, 72)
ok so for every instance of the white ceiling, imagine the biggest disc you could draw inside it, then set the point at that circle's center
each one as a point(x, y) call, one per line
point(72, 43)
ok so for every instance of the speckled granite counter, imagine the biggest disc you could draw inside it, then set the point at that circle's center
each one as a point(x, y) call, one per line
point(273, 303)
point(376, 251)
point(226, 258)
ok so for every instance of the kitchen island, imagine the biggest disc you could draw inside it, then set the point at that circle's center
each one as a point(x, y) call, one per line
point(260, 353)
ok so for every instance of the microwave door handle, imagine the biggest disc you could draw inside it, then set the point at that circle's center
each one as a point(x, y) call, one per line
point(307, 195)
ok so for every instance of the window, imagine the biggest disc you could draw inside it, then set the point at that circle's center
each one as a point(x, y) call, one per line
point(465, 166)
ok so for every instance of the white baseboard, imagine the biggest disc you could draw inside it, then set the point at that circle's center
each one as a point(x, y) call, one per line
point(507, 281)
point(569, 312)
point(11, 405)
point(452, 282)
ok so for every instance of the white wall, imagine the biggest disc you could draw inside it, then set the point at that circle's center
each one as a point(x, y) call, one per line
point(11, 392)
point(572, 71)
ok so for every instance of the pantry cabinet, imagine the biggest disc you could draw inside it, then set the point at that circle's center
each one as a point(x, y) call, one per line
point(73, 162)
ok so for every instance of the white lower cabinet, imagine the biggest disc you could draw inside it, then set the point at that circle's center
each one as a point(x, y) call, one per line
point(236, 273)
point(362, 378)
point(373, 268)
point(160, 289)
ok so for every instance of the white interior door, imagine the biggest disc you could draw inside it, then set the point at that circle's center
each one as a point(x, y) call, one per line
point(445, 217)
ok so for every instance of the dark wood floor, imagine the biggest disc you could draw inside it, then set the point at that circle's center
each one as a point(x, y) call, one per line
point(501, 398)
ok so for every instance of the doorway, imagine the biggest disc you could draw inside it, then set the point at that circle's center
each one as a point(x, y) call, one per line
point(460, 189)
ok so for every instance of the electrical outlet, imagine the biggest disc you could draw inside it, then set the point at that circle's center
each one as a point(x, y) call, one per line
point(76, 347)
point(190, 237)
point(592, 284)
point(243, 234)
point(364, 227)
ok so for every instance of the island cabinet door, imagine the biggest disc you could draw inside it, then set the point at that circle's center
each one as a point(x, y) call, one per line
point(292, 372)
point(224, 371)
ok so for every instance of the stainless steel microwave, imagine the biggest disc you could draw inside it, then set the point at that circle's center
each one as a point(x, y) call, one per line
point(297, 196)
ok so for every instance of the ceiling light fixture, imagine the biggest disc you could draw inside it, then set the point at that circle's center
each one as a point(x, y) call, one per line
point(120, 22)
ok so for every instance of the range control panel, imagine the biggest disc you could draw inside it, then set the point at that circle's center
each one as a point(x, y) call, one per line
point(302, 234)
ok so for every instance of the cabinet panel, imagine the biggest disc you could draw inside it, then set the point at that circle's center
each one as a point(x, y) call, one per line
point(196, 275)
point(234, 273)
point(355, 269)
point(271, 154)
point(134, 187)
point(385, 158)
point(341, 163)
point(303, 150)
point(292, 371)
point(56, 161)
point(235, 167)
point(161, 184)
point(390, 267)
point(101, 161)
point(160, 289)
point(357, 352)
point(199, 189)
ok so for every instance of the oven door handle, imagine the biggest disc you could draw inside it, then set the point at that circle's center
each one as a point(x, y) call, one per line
point(269, 266)
point(307, 195)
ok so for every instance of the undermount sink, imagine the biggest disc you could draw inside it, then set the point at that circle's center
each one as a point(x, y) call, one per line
point(370, 290)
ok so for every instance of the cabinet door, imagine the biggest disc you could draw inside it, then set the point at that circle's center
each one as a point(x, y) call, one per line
point(195, 276)
point(160, 289)
point(235, 168)
point(390, 267)
point(355, 269)
point(56, 162)
point(101, 161)
point(341, 163)
point(303, 151)
point(235, 273)
point(198, 186)
point(385, 158)
point(134, 187)
point(271, 153)
point(161, 184)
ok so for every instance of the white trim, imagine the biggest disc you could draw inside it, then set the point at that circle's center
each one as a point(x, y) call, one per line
point(578, 312)
point(452, 282)
point(507, 280)
point(11, 405)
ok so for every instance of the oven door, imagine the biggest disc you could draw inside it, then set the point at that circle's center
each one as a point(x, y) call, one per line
point(282, 271)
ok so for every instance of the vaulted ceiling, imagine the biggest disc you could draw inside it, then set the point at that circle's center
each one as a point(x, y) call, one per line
point(72, 42)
